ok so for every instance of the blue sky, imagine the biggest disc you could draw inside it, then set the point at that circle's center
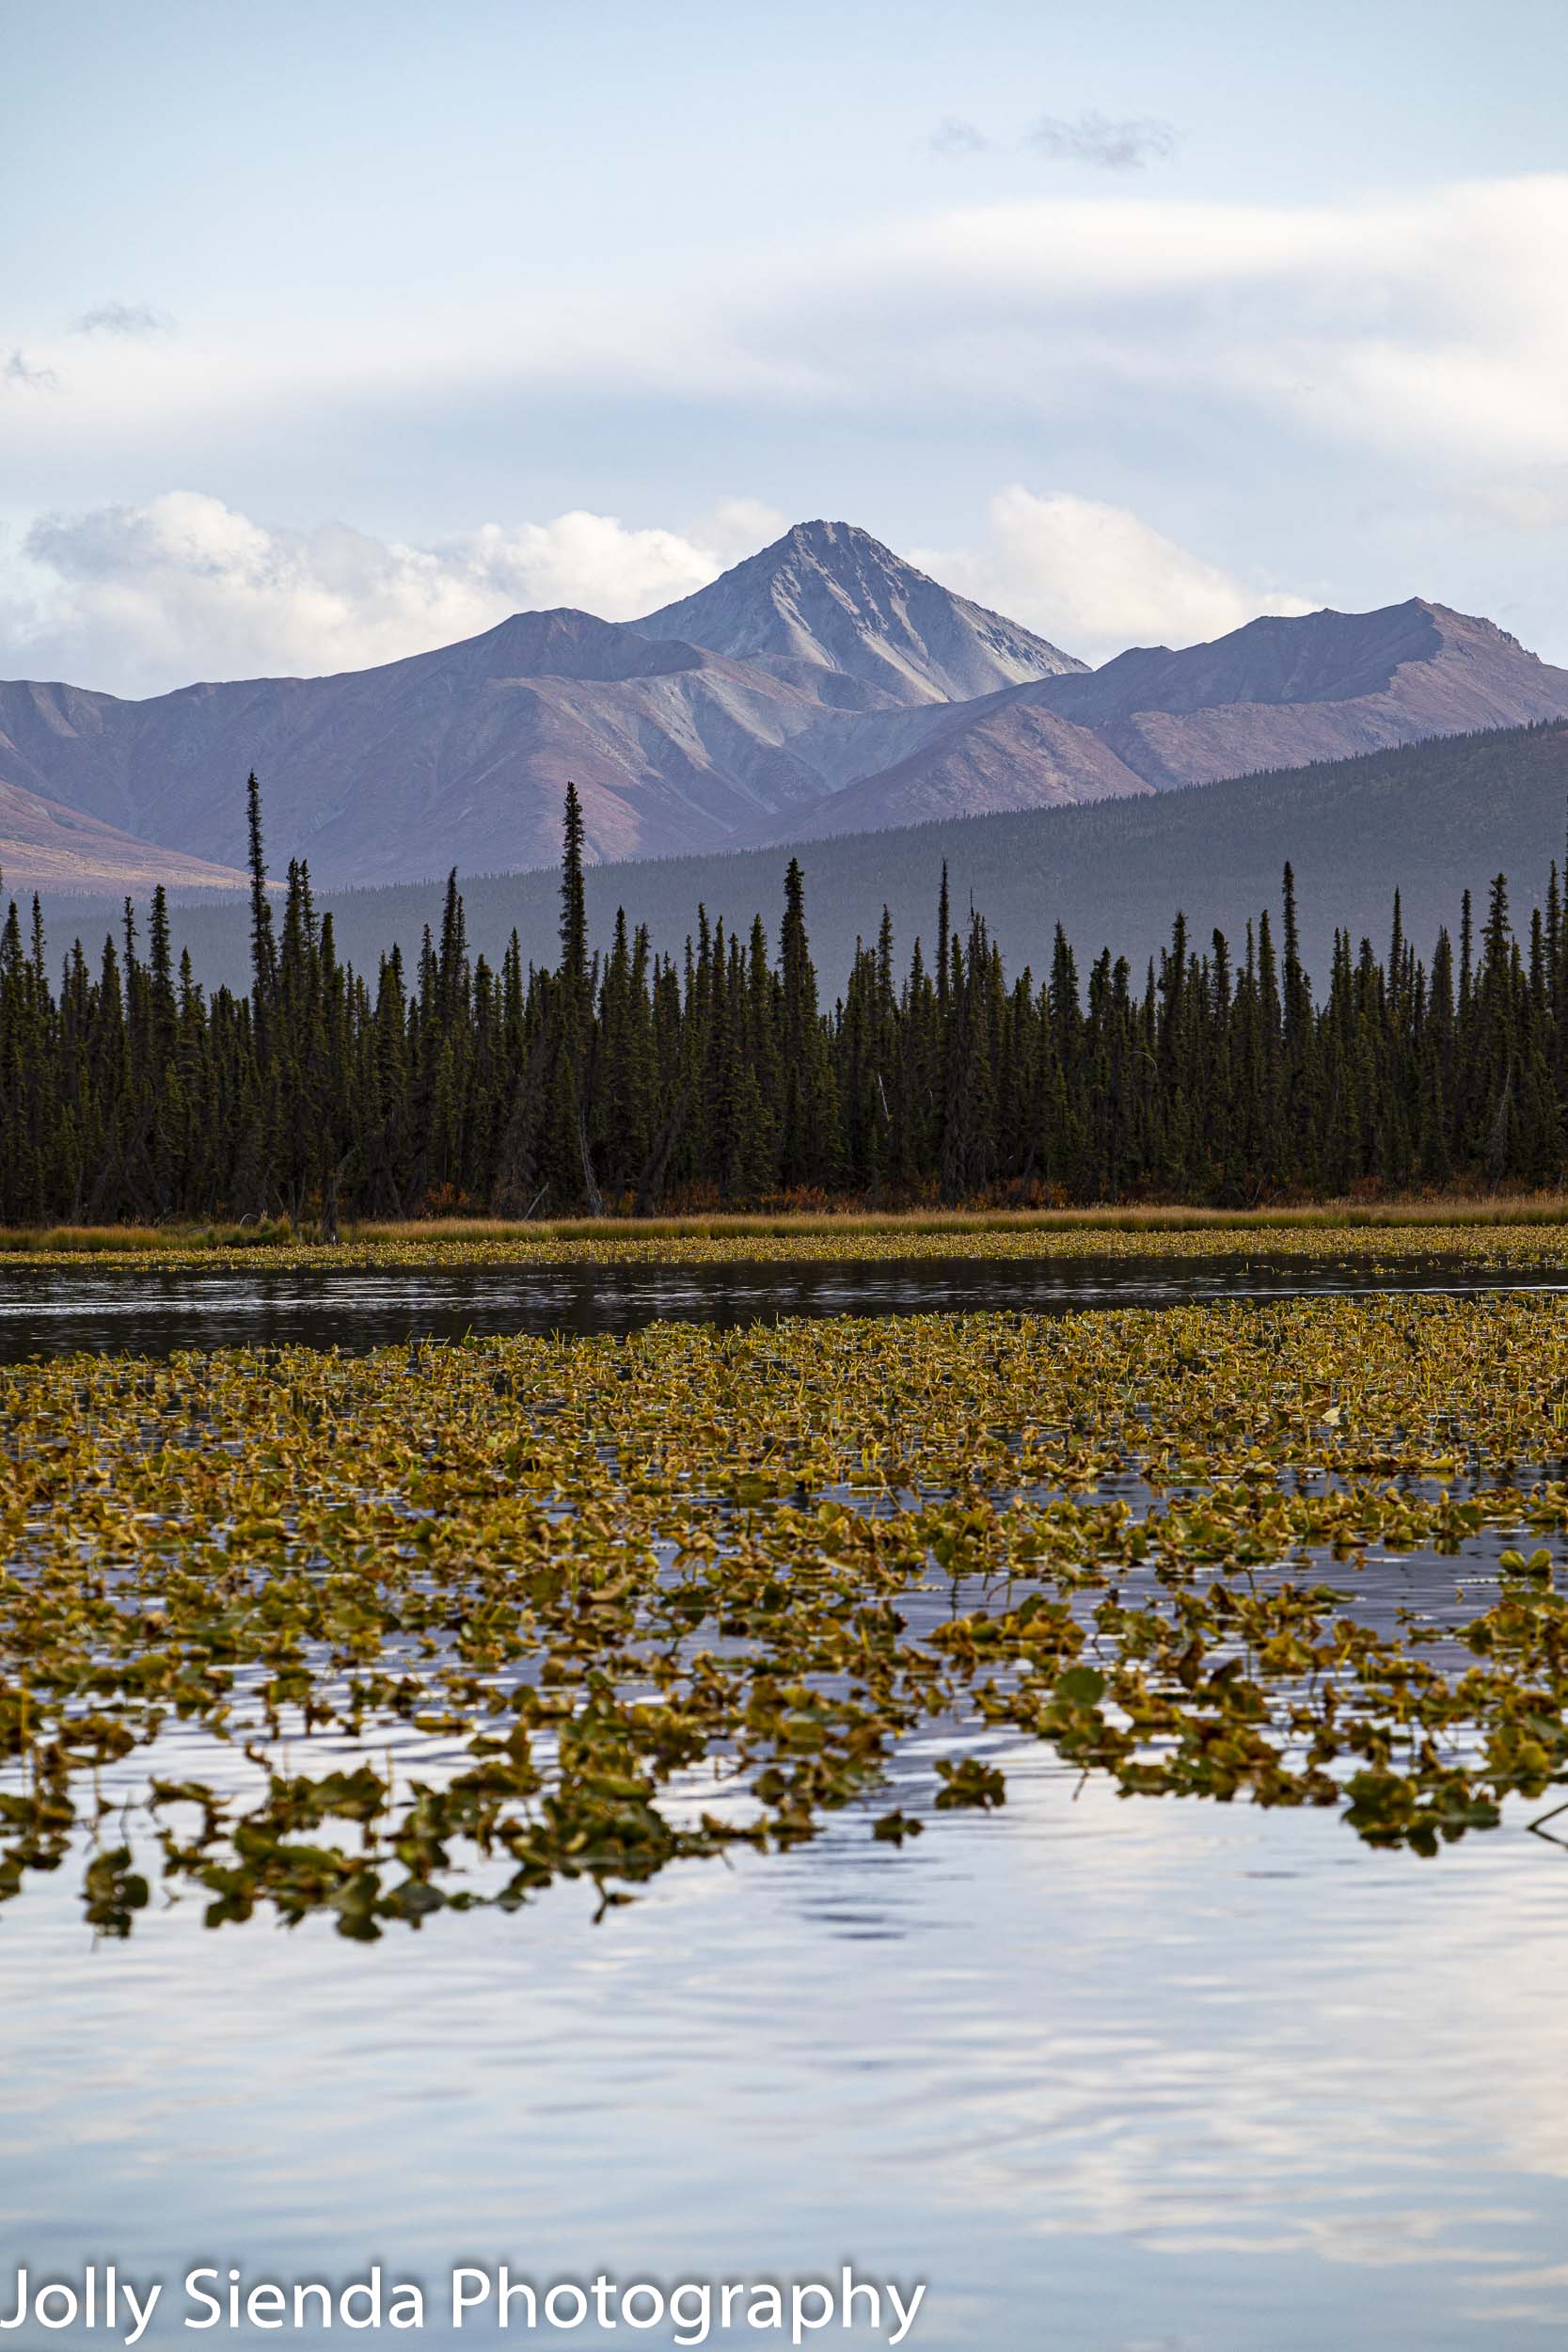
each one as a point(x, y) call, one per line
point(335, 331)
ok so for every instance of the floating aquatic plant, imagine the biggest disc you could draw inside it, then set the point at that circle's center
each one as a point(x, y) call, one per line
point(380, 1636)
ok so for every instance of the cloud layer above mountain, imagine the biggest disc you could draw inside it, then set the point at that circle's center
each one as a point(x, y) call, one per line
point(1423, 328)
point(138, 599)
point(1425, 325)
point(1360, 399)
point(1095, 579)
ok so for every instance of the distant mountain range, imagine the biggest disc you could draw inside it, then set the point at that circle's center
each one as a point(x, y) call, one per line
point(822, 687)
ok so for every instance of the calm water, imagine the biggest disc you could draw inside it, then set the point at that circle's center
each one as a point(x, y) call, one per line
point(54, 1312)
point(1109, 2077)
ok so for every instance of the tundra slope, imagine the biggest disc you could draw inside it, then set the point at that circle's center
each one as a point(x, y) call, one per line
point(1433, 818)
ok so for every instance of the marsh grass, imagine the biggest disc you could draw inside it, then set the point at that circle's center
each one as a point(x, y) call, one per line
point(1532, 1209)
point(107, 1241)
point(1446, 1222)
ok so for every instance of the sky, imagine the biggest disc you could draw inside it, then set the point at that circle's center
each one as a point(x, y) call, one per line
point(332, 332)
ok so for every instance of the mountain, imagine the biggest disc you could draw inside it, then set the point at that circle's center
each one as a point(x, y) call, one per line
point(1433, 818)
point(828, 597)
point(1277, 693)
point(823, 686)
point(1322, 686)
point(986, 758)
point(460, 757)
point(457, 757)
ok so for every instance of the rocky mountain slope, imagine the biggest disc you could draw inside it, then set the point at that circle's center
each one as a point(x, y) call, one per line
point(828, 597)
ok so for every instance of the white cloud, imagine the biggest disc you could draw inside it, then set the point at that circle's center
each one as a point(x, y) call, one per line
point(139, 598)
point(1429, 328)
point(1431, 331)
point(1528, 502)
point(1094, 579)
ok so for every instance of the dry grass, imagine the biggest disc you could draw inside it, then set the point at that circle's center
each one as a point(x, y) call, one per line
point(1515, 1209)
point(1545, 1209)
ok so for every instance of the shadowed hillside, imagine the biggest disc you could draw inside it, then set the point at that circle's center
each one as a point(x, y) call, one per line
point(1431, 818)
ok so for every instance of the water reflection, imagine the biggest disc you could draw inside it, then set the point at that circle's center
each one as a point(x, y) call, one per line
point(1125, 2076)
point(56, 1311)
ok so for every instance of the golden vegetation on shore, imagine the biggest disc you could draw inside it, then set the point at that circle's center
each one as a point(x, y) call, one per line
point(1529, 1225)
point(382, 1636)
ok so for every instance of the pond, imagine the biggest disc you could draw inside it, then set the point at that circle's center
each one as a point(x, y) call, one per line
point(1104, 2075)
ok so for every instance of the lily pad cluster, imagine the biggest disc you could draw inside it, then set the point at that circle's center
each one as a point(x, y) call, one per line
point(388, 1636)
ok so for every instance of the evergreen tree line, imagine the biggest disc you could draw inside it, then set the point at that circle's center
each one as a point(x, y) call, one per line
point(628, 1081)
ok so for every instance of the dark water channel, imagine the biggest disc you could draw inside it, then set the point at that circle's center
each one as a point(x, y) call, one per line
point(54, 1311)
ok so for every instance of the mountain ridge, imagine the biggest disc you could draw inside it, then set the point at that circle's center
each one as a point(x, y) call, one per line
point(45, 845)
point(1279, 693)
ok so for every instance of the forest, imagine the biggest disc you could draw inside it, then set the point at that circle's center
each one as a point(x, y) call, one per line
point(632, 1081)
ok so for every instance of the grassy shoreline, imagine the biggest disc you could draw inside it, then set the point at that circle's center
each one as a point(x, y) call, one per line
point(1519, 1229)
point(1545, 1209)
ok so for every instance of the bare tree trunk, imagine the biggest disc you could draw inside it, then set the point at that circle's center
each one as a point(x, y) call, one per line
point(590, 1182)
point(329, 1205)
point(648, 1184)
